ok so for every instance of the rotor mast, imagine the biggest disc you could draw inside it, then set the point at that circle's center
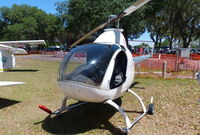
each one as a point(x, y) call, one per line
point(113, 24)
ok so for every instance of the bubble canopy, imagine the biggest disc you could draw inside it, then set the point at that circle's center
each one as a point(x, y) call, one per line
point(87, 63)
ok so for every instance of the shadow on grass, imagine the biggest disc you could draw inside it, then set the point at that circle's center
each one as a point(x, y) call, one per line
point(130, 111)
point(135, 83)
point(82, 119)
point(22, 70)
point(7, 102)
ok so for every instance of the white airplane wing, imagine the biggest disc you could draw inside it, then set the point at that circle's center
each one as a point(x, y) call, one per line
point(9, 83)
point(139, 59)
point(5, 47)
point(18, 51)
point(12, 50)
point(23, 42)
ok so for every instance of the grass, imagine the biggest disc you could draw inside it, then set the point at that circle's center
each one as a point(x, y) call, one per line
point(177, 110)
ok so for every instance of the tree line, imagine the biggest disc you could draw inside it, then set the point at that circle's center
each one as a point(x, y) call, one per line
point(23, 22)
point(175, 22)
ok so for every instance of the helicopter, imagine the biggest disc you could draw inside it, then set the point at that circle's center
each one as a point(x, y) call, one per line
point(101, 71)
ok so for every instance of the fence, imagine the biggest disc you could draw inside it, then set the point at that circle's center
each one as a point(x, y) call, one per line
point(176, 67)
point(173, 56)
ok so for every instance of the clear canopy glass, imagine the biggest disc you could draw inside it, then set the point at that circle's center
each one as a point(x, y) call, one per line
point(87, 63)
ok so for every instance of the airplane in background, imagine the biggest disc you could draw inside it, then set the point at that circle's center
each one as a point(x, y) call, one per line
point(7, 56)
point(7, 52)
point(24, 42)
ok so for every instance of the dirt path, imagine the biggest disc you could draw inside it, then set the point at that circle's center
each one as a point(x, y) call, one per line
point(48, 57)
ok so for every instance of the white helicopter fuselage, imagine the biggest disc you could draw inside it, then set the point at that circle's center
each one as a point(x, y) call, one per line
point(90, 93)
point(101, 71)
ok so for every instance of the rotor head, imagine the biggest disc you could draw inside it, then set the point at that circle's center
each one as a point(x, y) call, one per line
point(113, 24)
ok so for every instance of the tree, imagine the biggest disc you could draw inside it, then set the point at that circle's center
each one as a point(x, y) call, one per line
point(156, 21)
point(12, 32)
point(188, 20)
point(174, 20)
point(142, 45)
point(165, 43)
point(80, 16)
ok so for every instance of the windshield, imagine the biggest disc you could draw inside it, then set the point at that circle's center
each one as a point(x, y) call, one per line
point(87, 63)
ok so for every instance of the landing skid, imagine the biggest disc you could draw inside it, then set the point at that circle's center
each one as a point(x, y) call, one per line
point(64, 107)
point(130, 124)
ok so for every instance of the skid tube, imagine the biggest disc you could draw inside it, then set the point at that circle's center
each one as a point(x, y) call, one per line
point(129, 124)
point(64, 107)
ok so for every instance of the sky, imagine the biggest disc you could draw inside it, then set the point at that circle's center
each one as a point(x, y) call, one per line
point(46, 5)
point(145, 37)
point(49, 7)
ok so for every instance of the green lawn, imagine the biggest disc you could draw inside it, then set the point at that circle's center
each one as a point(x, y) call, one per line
point(177, 110)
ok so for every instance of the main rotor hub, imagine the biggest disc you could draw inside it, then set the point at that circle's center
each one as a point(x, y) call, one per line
point(113, 24)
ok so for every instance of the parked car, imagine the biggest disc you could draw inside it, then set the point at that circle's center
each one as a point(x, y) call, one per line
point(195, 51)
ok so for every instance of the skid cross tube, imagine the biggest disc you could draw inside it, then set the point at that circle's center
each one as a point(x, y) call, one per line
point(65, 107)
point(129, 124)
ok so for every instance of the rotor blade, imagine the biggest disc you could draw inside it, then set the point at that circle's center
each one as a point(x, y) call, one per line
point(126, 12)
point(135, 6)
point(88, 34)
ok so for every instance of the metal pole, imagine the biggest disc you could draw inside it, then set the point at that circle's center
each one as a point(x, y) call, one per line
point(194, 71)
point(138, 69)
point(164, 69)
